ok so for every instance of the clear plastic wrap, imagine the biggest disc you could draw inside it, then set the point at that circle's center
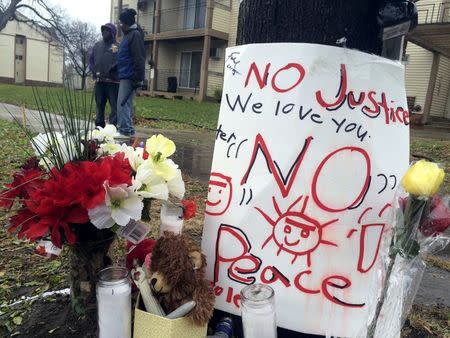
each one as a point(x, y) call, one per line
point(420, 218)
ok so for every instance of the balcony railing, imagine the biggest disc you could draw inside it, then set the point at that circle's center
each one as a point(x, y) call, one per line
point(176, 80)
point(432, 12)
point(183, 18)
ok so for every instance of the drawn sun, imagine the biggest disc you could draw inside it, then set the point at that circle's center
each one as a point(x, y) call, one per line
point(294, 232)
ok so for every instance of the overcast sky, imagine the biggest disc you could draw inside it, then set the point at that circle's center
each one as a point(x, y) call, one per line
point(93, 11)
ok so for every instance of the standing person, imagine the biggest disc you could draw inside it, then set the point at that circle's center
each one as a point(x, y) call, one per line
point(131, 69)
point(103, 64)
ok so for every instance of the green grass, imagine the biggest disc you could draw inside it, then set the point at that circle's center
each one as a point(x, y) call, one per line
point(155, 112)
point(439, 151)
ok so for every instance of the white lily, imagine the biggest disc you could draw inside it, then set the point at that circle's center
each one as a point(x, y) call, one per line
point(105, 134)
point(159, 147)
point(54, 147)
point(134, 156)
point(176, 185)
point(42, 141)
point(150, 185)
point(166, 169)
point(121, 205)
point(109, 148)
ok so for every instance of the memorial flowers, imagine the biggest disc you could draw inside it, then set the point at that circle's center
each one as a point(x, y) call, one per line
point(82, 189)
point(420, 218)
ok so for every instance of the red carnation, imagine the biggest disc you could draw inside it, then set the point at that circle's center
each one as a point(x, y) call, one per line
point(24, 182)
point(189, 209)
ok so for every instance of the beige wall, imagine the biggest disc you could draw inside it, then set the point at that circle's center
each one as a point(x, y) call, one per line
point(429, 10)
point(36, 54)
point(447, 114)
point(418, 72)
point(55, 74)
point(233, 23)
point(221, 19)
point(7, 43)
point(37, 60)
point(441, 89)
point(167, 56)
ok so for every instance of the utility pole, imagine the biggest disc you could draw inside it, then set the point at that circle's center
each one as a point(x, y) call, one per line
point(350, 23)
point(119, 11)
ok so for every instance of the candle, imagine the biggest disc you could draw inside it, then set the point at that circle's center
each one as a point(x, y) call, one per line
point(171, 218)
point(258, 311)
point(114, 303)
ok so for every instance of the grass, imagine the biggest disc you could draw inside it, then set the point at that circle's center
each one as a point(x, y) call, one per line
point(154, 112)
point(439, 151)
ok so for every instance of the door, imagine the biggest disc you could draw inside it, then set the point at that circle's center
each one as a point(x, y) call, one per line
point(20, 59)
point(190, 69)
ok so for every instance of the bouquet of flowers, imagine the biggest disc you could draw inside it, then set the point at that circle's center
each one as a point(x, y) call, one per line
point(81, 188)
point(420, 219)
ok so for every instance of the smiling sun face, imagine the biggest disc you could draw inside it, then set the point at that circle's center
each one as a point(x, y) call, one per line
point(294, 232)
point(220, 192)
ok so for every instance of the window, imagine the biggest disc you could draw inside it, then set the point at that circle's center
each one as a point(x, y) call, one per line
point(194, 14)
point(19, 57)
point(20, 40)
point(190, 69)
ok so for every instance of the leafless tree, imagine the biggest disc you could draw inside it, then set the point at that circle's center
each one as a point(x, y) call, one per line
point(78, 39)
point(37, 12)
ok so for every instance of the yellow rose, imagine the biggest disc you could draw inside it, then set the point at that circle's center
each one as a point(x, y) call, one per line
point(159, 147)
point(423, 178)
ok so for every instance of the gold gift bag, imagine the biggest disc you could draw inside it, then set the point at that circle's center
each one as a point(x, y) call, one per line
point(147, 325)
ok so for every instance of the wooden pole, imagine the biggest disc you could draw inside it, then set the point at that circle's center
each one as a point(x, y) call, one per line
point(312, 21)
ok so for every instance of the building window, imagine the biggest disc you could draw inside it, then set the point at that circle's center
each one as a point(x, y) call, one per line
point(20, 41)
point(19, 57)
point(190, 69)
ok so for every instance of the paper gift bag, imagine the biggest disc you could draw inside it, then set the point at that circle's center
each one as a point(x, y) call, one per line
point(147, 325)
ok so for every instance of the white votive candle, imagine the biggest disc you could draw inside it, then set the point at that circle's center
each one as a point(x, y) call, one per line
point(171, 218)
point(258, 311)
point(114, 303)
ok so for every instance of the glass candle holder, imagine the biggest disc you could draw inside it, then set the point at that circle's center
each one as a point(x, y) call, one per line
point(171, 218)
point(114, 303)
point(258, 311)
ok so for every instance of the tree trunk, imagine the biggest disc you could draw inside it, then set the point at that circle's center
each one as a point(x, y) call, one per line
point(87, 258)
point(311, 21)
point(83, 81)
point(8, 13)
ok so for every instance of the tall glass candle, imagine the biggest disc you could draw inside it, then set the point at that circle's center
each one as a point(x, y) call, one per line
point(258, 311)
point(171, 218)
point(114, 303)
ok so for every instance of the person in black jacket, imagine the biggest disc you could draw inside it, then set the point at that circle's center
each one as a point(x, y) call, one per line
point(103, 64)
point(131, 69)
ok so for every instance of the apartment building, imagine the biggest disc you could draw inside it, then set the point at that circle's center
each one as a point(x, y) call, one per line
point(30, 56)
point(428, 60)
point(185, 42)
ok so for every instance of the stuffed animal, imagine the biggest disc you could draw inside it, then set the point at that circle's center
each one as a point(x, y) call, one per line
point(178, 276)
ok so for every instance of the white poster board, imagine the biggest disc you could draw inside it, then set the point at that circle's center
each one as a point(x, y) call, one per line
point(311, 144)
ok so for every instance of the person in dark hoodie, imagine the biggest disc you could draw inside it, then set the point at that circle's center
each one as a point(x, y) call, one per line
point(103, 64)
point(131, 69)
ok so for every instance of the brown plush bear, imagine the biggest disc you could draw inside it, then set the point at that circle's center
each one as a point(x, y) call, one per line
point(178, 276)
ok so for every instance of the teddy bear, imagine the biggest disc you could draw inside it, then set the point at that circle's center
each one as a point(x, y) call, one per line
point(177, 276)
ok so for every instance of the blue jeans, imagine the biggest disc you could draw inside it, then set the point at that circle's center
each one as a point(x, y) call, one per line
point(125, 111)
point(106, 91)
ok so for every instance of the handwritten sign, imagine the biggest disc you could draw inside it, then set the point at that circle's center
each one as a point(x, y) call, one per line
point(310, 146)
